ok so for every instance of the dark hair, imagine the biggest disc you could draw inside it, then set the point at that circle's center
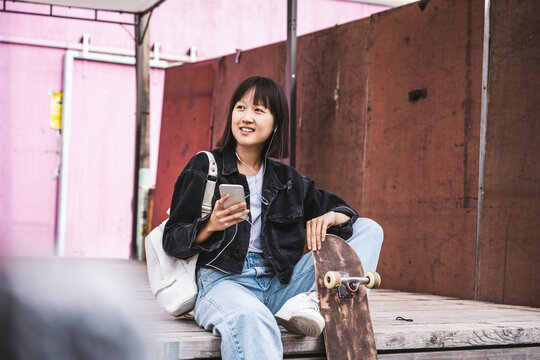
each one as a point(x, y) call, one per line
point(271, 95)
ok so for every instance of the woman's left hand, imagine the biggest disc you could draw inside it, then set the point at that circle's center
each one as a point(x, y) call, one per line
point(316, 229)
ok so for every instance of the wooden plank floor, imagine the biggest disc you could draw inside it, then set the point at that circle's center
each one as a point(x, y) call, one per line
point(472, 329)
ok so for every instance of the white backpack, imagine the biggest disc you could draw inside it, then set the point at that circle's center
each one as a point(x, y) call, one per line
point(172, 280)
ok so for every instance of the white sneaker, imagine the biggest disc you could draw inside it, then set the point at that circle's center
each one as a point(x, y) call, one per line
point(300, 314)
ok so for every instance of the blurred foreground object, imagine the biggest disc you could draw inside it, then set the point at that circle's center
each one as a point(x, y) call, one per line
point(61, 309)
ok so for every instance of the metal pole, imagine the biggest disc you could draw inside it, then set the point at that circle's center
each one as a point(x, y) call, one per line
point(483, 129)
point(290, 77)
point(142, 132)
point(67, 96)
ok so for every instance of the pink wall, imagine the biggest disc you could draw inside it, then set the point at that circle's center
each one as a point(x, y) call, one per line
point(101, 157)
point(101, 166)
point(244, 24)
point(27, 150)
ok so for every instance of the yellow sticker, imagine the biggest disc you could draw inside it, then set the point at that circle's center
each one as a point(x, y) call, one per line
point(56, 111)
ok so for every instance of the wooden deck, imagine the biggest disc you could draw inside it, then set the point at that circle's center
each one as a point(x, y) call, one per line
point(441, 327)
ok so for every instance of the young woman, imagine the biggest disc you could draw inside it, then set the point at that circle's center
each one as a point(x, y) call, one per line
point(252, 274)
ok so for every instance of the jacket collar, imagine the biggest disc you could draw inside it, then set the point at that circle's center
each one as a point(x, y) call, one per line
point(229, 163)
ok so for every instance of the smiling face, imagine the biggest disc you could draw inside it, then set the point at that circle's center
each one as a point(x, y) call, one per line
point(251, 124)
point(272, 110)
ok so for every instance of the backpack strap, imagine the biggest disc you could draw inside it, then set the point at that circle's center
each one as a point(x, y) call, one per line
point(211, 180)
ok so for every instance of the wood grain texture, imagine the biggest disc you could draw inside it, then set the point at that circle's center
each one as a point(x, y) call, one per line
point(521, 353)
point(421, 164)
point(348, 333)
point(332, 74)
point(509, 246)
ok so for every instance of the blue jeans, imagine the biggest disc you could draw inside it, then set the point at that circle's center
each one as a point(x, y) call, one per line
point(240, 307)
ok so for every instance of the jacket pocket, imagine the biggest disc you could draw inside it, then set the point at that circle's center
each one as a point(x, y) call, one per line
point(287, 228)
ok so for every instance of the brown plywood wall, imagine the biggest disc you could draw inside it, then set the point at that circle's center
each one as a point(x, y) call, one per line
point(331, 108)
point(412, 165)
point(421, 176)
point(185, 127)
point(509, 245)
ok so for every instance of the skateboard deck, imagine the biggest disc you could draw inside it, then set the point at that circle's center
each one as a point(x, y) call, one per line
point(348, 333)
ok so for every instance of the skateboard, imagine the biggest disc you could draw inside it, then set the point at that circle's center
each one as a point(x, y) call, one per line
point(341, 287)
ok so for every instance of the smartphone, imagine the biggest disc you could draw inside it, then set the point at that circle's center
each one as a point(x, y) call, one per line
point(237, 195)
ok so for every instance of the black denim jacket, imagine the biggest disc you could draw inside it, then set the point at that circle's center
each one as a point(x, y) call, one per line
point(292, 201)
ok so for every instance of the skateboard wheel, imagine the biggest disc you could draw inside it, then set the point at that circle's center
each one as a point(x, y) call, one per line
point(374, 280)
point(332, 279)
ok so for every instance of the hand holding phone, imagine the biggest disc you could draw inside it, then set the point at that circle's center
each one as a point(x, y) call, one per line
point(236, 195)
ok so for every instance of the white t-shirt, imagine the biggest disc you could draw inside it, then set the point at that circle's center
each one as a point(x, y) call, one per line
point(255, 192)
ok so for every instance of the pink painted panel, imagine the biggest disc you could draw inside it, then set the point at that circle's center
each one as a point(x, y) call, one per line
point(66, 30)
point(243, 24)
point(101, 160)
point(214, 27)
point(100, 185)
point(28, 156)
point(27, 150)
